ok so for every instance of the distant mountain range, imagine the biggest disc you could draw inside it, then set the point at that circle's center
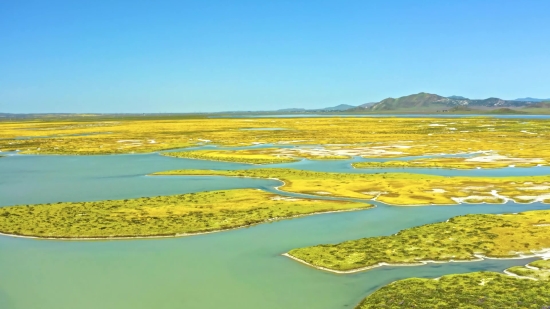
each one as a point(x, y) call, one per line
point(531, 100)
point(338, 108)
point(431, 102)
point(420, 103)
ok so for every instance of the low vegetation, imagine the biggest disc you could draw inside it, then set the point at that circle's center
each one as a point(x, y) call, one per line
point(255, 156)
point(460, 239)
point(316, 138)
point(480, 290)
point(538, 270)
point(160, 216)
point(486, 161)
point(238, 156)
point(399, 188)
point(313, 156)
point(541, 264)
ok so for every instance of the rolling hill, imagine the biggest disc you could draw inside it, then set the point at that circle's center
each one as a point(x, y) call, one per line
point(428, 101)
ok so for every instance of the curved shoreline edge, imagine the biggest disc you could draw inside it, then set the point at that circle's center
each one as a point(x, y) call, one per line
point(182, 234)
point(544, 254)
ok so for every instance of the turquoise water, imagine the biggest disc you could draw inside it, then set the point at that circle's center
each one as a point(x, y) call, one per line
point(235, 269)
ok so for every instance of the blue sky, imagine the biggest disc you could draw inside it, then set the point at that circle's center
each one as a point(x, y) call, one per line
point(187, 56)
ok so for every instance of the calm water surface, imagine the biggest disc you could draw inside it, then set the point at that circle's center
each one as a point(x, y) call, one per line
point(236, 269)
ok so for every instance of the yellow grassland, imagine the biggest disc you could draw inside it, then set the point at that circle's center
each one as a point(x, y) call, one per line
point(238, 156)
point(255, 156)
point(161, 215)
point(338, 137)
point(400, 188)
point(484, 161)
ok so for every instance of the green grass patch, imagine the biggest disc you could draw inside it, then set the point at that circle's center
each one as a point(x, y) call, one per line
point(541, 264)
point(461, 238)
point(539, 270)
point(474, 290)
point(160, 215)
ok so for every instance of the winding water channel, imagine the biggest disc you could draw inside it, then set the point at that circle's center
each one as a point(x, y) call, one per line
point(235, 269)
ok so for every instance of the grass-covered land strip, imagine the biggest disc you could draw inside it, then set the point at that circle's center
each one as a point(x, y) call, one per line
point(324, 157)
point(174, 215)
point(537, 270)
point(255, 156)
point(462, 238)
point(238, 156)
point(399, 188)
point(457, 163)
point(473, 290)
point(541, 264)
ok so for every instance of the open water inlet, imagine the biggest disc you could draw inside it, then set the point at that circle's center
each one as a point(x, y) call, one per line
point(241, 268)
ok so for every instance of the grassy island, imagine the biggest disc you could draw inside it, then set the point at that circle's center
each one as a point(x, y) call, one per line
point(480, 290)
point(399, 188)
point(238, 156)
point(493, 161)
point(255, 156)
point(461, 238)
point(161, 215)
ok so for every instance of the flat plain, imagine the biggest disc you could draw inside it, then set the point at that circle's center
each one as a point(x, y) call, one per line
point(504, 141)
point(368, 147)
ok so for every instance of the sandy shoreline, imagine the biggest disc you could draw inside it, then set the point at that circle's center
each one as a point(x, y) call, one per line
point(544, 254)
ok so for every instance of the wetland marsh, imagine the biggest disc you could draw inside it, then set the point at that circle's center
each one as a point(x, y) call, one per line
point(160, 216)
point(464, 238)
point(338, 137)
point(246, 266)
point(274, 155)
